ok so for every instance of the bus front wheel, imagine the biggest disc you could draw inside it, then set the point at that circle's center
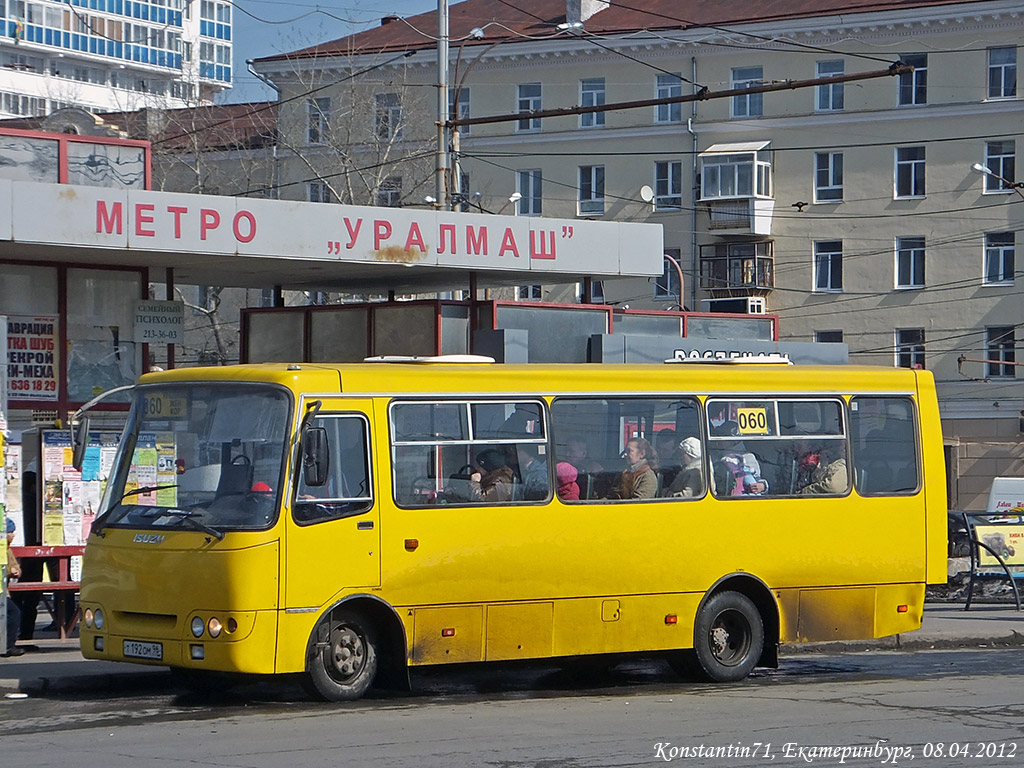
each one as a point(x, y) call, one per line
point(342, 659)
point(728, 637)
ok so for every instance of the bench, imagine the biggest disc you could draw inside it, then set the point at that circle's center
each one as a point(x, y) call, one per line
point(996, 544)
point(62, 587)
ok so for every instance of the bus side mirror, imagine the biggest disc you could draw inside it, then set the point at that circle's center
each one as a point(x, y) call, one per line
point(316, 456)
point(79, 442)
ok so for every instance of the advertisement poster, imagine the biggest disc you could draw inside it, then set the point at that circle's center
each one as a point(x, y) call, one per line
point(71, 498)
point(32, 362)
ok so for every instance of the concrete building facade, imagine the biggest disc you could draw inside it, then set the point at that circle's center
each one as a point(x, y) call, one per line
point(882, 211)
point(112, 55)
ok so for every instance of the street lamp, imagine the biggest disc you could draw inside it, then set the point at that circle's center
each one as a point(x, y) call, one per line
point(1014, 185)
point(515, 197)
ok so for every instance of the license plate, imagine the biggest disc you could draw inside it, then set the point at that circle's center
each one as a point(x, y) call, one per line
point(139, 650)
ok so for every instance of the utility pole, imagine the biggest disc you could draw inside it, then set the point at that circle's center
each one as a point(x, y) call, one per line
point(443, 157)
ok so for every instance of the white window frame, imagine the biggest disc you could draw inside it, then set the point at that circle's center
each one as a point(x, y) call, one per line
point(910, 263)
point(527, 101)
point(828, 266)
point(910, 347)
point(533, 292)
point(913, 86)
point(828, 177)
point(1001, 345)
point(590, 192)
point(319, 123)
point(666, 287)
point(830, 97)
point(747, 104)
point(389, 193)
point(668, 185)
point(999, 262)
point(529, 184)
point(1001, 159)
point(318, 192)
point(907, 181)
point(1002, 75)
point(387, 123)
point(592, 94)
point(463, 107)
point(668, 86)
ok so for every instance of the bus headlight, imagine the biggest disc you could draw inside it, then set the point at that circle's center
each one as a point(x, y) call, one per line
point(88, 617)
point(197, 626)
point(214, 626)
point(98, 618)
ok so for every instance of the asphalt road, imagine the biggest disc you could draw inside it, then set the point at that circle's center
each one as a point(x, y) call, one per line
point(884, 707)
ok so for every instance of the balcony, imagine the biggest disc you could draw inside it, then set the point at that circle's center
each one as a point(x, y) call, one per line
point(736, 188)
point(737, 270)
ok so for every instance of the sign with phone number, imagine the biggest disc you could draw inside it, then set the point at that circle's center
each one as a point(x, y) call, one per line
point(32, 357)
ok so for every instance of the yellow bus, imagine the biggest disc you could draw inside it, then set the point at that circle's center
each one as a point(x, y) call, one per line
point(348, 522)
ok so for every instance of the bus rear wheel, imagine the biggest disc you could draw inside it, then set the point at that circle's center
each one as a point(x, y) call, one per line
point(728, 638)
point(342, 659)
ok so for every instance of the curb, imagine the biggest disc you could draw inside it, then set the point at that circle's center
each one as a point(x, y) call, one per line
point(904, 643)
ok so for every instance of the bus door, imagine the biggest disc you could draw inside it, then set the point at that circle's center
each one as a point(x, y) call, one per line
point(333, 531)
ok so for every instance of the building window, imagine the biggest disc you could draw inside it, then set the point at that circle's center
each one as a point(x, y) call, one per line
point(830, 95)
point(1002, 73)
point(910, 262)
point(746, 174)
point(914, 85)
point(910, 347)
point(747, 104)
point(828, 337)
point(463, 107)
point(529, 101)
point(591, 190)
point(529, 293)
point(828, 177)
point(668, 87)
point(388, 118)
point(666, 287)
point(668, 186)
point(592, 95)
point(999, 253)
point(738, 266)
point(1001, 160)
point(389, 193)
point(999, 351)
point(910, 172)
point(828, 266)
point(319, 192)
point(529, 186)
point(319, 111)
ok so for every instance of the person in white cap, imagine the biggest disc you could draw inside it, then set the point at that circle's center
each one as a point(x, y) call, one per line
point(689, 482)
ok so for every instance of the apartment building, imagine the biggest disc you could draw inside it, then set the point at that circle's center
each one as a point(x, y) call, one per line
point(881, 210)
point(112, 55)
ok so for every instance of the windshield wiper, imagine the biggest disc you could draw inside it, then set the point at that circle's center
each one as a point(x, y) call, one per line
point(184, 515)
point(101, 521)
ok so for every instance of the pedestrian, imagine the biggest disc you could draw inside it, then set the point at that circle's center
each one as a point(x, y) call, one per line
point(13, 612)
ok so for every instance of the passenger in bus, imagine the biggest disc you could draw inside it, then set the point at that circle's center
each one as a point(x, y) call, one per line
point(638, 480)
point(494, 479)
point(533, 470)
point(739, 474)
point(525, 420)
point(820, 473)
point(666, 443)
point(689, 482)
point(576, 453)
point(568, 489)
point(719, 423)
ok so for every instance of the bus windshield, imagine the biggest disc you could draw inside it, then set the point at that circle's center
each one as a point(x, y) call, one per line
point(207, 457)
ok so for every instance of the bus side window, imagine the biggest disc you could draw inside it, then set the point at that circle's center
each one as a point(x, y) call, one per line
point(884, 445)
point(348, 490)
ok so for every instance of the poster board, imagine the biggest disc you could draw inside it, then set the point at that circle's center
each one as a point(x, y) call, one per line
point(70, 498)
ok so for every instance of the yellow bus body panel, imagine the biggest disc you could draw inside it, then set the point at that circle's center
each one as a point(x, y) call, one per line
point(533, 580)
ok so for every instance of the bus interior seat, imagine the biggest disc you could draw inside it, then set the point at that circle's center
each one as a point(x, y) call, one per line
point(234, 478)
